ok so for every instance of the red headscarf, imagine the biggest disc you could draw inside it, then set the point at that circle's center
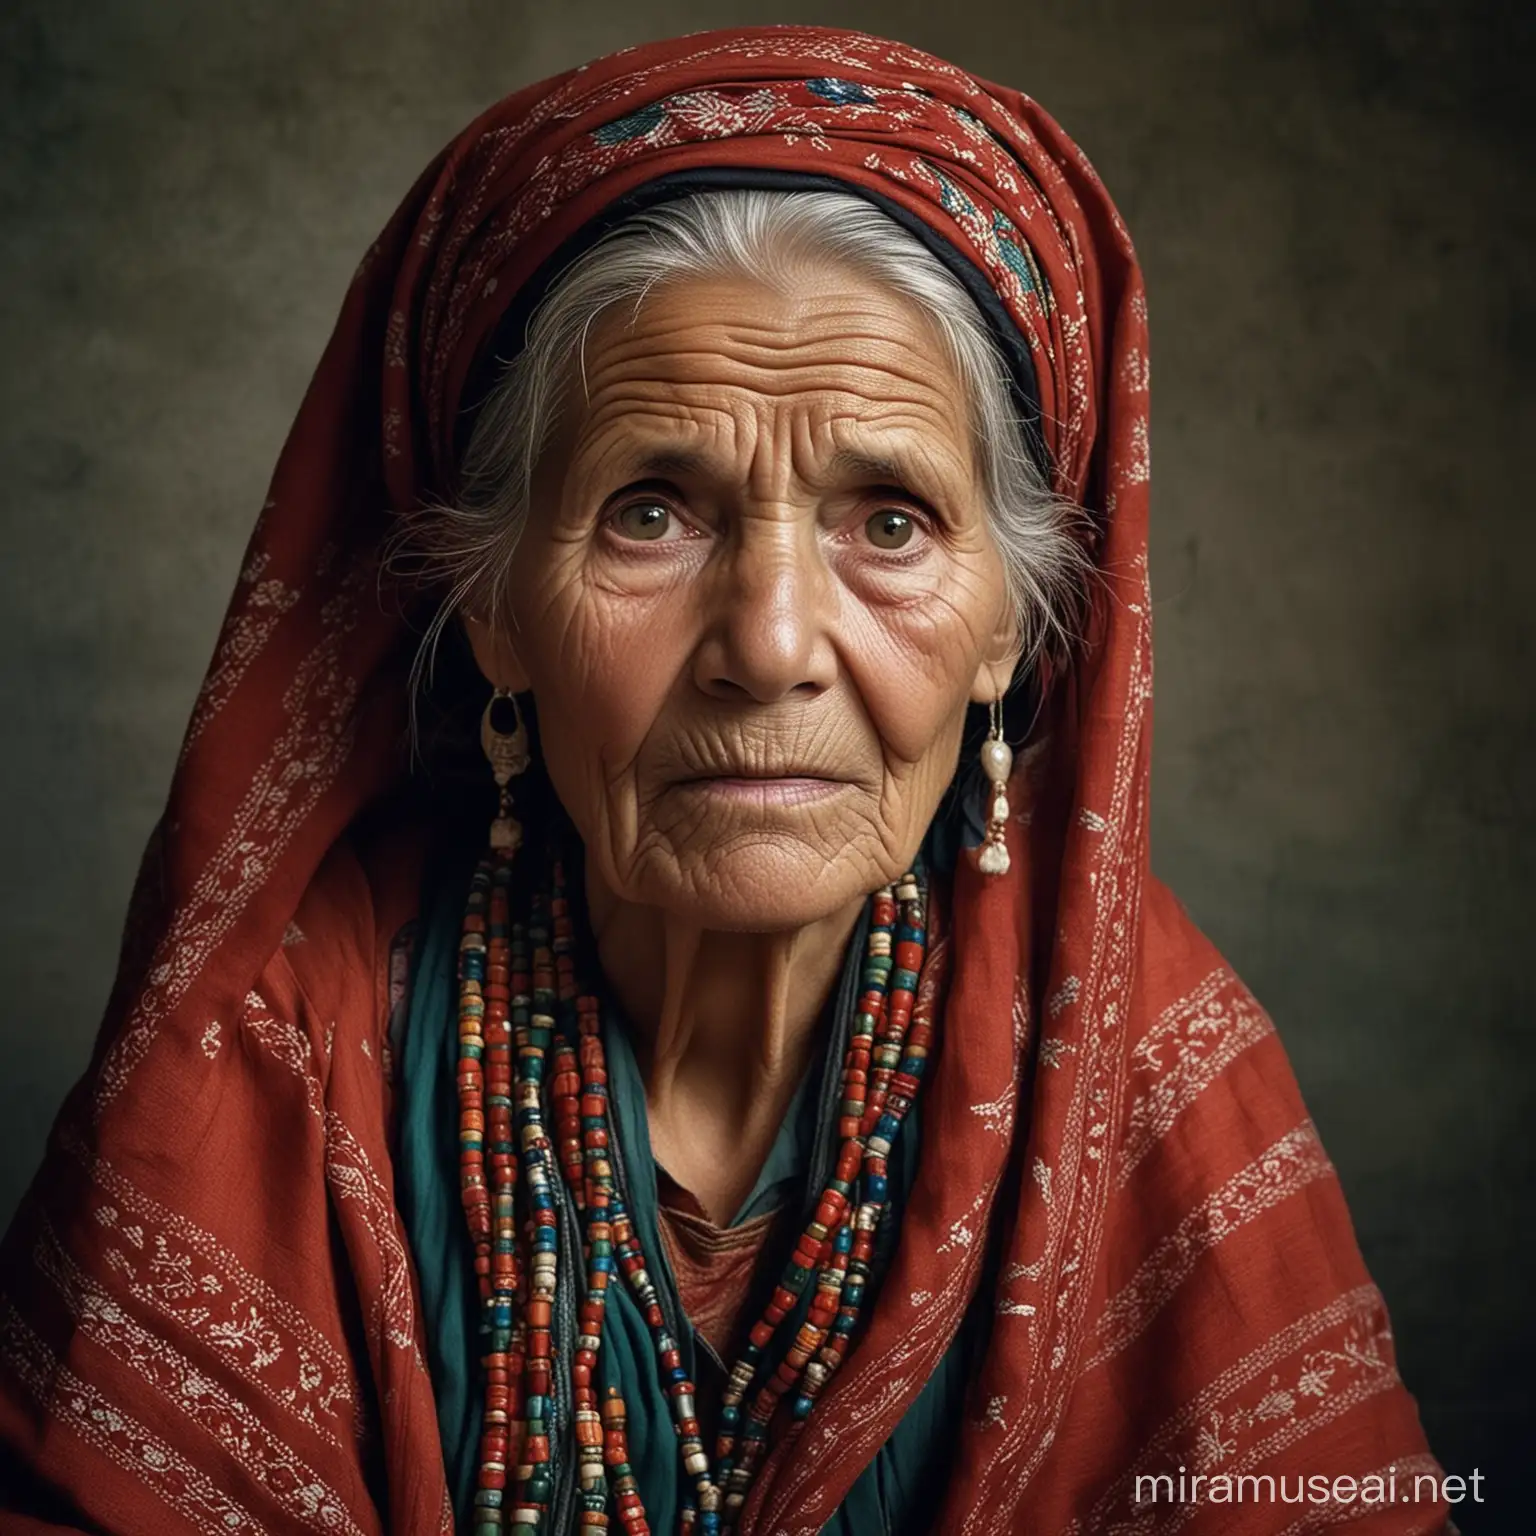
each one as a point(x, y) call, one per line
point(208, 1320)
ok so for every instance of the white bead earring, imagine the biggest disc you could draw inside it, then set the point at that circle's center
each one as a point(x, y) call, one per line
point(997, 764)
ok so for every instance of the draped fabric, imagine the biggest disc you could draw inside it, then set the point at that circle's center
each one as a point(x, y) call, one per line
point(208, 1315)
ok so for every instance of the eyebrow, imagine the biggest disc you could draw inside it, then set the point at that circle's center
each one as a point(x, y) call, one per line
point(865, 466)
point(671, 461)
point(872, 468)
point(892, 473)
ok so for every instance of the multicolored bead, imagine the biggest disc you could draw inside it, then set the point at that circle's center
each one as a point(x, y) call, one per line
point(519, 1000)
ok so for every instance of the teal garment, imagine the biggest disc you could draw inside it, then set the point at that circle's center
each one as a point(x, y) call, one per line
point(896, 1494)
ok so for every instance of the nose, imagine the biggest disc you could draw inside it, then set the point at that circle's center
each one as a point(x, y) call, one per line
point(769, 636)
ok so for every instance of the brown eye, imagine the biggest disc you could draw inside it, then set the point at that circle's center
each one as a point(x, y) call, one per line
point(644, 520)
point(889, 529)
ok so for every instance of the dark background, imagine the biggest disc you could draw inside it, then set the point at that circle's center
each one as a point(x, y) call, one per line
point(1333, 205)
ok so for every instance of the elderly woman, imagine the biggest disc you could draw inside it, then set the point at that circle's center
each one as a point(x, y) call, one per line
point(769, 1093)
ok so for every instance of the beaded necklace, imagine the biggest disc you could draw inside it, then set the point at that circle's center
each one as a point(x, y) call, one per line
point(519, 999)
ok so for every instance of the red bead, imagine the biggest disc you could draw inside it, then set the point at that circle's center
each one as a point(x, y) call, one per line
point(576, 1076)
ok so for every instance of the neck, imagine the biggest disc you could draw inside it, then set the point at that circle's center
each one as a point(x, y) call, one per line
point(725, 1025)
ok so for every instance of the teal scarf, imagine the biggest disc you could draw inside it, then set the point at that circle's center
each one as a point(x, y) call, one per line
point(897, 1492)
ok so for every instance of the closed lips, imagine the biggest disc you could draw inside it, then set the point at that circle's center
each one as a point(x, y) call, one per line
point(757, 773)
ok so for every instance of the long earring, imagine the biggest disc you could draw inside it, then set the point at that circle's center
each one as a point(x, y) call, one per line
point(997, 764)
point(504, 740)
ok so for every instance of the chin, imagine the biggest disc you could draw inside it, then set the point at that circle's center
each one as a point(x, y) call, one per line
point(763, 884)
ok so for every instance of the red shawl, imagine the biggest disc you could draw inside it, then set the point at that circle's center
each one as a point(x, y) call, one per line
point(208, 1319)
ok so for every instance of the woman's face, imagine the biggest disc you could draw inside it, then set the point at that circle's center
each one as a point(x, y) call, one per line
point(755, 593)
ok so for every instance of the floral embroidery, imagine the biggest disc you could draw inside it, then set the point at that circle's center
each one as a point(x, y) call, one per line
point(194, 1285)
point(225, 1417)
point(1186, 1050)
point(86, 1411)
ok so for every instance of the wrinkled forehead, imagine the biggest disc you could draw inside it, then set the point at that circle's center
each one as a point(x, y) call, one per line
point(818, 331)
point(810, 382)
point(506, 339)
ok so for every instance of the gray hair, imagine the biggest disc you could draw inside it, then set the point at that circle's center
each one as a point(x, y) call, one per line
point(768, 237)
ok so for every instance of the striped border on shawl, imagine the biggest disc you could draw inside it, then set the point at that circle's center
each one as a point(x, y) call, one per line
point(354, 1182)
point(88, 1413)
point(188, 1277)
point(1331, 1360)
point(259, 605)
point(288, 1044)
point(304, 762)
point(1280, 1171)
point(998, 1115)
point(1184, 1052)
point(306, 1499)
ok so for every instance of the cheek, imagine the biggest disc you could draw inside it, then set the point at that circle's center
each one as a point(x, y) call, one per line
point(602, 666)
point(919, 725)
point(915, 666)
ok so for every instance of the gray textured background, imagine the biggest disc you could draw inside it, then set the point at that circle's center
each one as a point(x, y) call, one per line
point(1333, 205)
